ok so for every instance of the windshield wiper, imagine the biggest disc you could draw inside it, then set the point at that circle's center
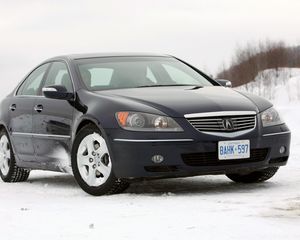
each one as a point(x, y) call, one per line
point(170, 85)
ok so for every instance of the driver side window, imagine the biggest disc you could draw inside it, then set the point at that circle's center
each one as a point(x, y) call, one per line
point(59, 75)
point(33, 82)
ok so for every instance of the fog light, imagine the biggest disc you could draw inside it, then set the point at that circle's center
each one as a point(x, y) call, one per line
point(157, 158)
point(282, 149)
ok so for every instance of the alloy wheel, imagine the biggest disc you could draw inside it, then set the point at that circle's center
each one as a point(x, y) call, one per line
point(93, 160)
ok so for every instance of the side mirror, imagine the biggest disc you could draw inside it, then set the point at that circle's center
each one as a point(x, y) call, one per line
point(224, 83)
point(57, 92)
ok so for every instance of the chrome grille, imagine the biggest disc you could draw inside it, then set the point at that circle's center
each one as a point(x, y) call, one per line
point(228, 123)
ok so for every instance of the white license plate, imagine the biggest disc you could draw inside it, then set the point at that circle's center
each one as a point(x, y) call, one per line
point(233, 149)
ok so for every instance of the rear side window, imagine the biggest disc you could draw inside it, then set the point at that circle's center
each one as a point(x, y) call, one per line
point(59, 75)
point(33, 82)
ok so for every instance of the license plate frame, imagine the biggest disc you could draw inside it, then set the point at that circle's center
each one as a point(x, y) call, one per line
point(235, 149)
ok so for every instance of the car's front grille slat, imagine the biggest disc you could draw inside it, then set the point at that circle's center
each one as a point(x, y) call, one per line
point(216, 123)
point(242, 118)
point(207, 124)
point(205, 119)
point(243, 127)
point(243, 121)
point(243, 124)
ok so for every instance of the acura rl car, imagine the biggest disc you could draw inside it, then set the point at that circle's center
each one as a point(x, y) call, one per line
point(111, 119)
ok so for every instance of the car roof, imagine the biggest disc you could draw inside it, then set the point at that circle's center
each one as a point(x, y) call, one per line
point(112, 54)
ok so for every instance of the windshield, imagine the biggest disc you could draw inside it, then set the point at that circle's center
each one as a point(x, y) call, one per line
point(133, 72)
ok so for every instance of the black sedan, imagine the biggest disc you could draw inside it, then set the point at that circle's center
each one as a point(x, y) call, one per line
point(114, 118)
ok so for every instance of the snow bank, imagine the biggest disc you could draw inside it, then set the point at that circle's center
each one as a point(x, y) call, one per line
point(280, 86)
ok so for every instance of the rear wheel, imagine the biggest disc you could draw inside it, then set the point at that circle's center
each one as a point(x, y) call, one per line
point(92, 165)
point(9, 171)
point(254, 177)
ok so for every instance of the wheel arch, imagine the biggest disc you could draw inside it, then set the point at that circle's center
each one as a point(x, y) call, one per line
point(86, 120)
point(84, 123)
point(3, 126)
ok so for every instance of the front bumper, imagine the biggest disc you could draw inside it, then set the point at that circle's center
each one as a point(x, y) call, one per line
point(132, 152)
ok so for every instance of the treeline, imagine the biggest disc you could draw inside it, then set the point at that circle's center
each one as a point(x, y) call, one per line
point(253, 58)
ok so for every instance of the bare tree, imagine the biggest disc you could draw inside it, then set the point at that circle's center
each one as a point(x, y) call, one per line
point(248, 61)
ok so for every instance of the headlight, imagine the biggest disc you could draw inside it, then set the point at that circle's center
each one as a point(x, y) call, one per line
point(136, 121)
point(270, 117)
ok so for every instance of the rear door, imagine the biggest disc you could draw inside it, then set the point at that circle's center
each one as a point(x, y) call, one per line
point(52, 121)
point(21, 109)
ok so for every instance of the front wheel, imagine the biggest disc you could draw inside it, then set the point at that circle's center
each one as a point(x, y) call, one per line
point(254, 177)
point(92, 165)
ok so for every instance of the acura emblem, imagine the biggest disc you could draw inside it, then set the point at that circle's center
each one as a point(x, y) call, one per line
point(228, 124)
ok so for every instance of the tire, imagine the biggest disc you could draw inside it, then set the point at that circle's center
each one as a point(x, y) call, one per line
point(9, 171)
point(254, 177)
point(91, 164)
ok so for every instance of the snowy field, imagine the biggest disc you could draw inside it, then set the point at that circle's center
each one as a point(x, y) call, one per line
point(52, 206)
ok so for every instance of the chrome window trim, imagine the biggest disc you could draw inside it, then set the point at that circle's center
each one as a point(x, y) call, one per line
point(219, 114)
point(152, 140)
point(274, 134)
point(49, 89)
point(29, 96)
point(40, 135)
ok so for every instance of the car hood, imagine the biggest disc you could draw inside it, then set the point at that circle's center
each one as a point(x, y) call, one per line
point(178, 101)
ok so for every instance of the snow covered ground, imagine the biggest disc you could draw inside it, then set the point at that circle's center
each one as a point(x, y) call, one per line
point(52, 206)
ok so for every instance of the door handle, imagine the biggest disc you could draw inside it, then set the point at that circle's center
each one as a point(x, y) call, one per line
point(13, 107)
point(38, 108)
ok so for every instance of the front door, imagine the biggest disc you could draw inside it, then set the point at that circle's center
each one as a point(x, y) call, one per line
point(21, 109)
point(52, 121)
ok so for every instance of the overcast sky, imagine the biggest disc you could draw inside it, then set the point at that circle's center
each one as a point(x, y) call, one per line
point(203, 32)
